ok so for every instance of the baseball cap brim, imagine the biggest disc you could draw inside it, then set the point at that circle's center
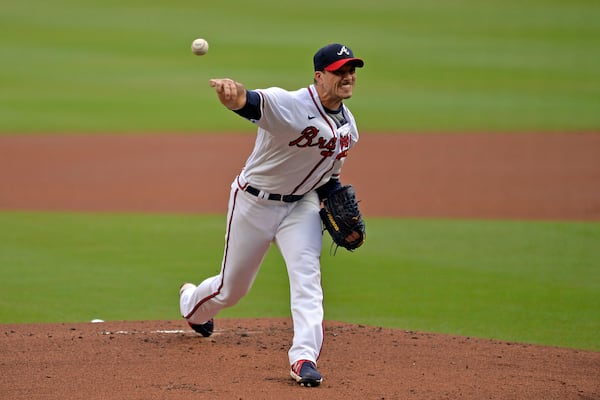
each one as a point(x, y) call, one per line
point(334, 66)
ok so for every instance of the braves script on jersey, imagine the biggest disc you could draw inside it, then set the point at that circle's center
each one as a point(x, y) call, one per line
point(298, 146)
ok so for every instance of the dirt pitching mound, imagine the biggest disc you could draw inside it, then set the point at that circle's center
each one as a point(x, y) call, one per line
point(246, 359)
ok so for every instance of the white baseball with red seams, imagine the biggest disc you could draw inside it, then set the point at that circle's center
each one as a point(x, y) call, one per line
point(298, 148)
point(200, 47)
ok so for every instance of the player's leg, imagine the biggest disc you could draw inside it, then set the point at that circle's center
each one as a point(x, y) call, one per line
point(300, 240)
point(247, 240)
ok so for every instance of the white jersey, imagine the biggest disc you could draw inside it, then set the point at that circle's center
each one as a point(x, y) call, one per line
point(298, 145)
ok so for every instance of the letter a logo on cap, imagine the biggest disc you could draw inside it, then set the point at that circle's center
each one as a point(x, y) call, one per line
point(334, 56)
point(343, 50)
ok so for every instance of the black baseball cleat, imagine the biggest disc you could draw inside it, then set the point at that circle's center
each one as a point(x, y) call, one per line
point(305, 373)
point(205, 329)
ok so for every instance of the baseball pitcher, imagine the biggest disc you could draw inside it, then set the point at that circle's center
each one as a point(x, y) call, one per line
point(288, 190)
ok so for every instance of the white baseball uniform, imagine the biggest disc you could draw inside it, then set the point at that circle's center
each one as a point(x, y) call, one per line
point(298, 148)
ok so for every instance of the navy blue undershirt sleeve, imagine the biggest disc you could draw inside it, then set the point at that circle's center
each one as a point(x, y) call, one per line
point(331, 186)
point(251, 109)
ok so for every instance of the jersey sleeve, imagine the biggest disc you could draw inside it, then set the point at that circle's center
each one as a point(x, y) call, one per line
point(278, 109)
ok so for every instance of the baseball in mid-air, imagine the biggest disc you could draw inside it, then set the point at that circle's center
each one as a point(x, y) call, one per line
point(199, 47)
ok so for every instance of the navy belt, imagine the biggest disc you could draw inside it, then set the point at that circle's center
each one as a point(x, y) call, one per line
point(287, 198)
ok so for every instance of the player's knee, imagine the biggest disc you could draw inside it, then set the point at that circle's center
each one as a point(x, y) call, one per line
point(230, 299)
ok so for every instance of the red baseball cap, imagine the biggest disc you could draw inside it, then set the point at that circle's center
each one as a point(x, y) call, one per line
point(334, 56)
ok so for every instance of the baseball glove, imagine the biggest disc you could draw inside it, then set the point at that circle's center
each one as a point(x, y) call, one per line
point(341, 217)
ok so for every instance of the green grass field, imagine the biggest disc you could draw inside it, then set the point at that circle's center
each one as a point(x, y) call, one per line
point(534, 282)
point(431, 66)
point(121, 66)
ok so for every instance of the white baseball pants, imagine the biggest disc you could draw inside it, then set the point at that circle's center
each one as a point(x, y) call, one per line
point(252, 225)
